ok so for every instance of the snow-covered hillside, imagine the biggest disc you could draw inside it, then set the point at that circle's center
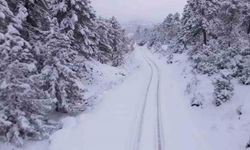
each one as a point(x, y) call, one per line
point(100, 79)
point(221, 128)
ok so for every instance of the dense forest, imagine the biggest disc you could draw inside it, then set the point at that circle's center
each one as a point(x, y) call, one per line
point(216, 36)
point(43, 48)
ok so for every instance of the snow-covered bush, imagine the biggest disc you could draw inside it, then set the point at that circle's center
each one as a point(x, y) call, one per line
point(243, 66)
point(223, 90)
point(204, 59)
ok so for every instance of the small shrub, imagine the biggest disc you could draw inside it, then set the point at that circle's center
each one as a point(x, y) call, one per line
point(223, 90)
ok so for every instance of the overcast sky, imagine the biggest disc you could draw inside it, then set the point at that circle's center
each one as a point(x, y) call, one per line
point(129, 10)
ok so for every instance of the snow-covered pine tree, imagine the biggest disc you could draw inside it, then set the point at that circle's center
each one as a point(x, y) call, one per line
point(228, 18)
point(78, 20)
point(61, 72)
point(171, 28)
point(119, 42)
point(243, 66)
point(244, 8)
point(105, 49)
point(233, 37)
point(43, 47)
point(113, 43)
point(23, 106)
point(197, 17)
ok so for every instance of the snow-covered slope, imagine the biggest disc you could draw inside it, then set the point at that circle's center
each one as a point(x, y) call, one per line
point(100, 78)
point(222, 128)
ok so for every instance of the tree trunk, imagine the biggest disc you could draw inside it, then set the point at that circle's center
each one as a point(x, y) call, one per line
point(204, 36)
point(248, 30)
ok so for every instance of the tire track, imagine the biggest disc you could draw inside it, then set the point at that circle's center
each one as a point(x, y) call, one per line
point(160, 131)
point(142, 116)
point(159, 127)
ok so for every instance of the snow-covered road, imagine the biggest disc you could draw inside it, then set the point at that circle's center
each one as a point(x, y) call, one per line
point(146, 112)
point(149, 131)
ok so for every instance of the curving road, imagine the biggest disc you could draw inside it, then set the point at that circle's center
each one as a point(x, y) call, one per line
point(145, 112)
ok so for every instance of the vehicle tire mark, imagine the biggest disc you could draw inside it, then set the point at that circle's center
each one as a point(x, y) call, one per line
point(160, 131)
point(140, 124)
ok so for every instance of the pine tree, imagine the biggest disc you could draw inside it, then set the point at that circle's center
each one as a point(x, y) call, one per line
point(118, 42)
point(244, 7)
point(197, 17)
point(228, 22)
point(104, 42)
point(23, 105)
point(113, 43)
point(62, 72)
point(77, 19)
point(171, 27)
point(43, 48)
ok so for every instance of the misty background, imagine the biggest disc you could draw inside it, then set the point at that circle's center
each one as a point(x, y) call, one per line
point(138, 10)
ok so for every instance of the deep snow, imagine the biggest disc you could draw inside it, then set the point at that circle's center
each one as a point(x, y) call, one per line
point(114, 123)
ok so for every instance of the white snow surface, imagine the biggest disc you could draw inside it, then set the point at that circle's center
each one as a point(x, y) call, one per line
point(121, 122)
